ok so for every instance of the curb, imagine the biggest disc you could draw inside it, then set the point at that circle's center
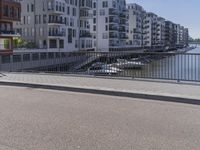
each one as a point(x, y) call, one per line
point(105, 92)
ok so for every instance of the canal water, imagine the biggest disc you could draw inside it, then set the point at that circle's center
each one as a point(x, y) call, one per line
point(174, 67)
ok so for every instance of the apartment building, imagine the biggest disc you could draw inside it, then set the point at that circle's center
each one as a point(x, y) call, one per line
point(185, 37)
point(109, 25)
point(156, 32)
point(9, 12)
point(181, 34)
point(176, 35)
point(178, 43)
point(168, 34)
point(160, 40)
point(85, 16)
point(56, 25)
point(150, 30)
point(135, 24)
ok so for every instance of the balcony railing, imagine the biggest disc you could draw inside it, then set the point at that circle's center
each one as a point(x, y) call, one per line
point(56, 21)
point(113, 28)
point(123, 37)
point(59, 34)
point(114, 21)
point(11, 32)
point(113, 12)
point(10, 10)
point(113, 35)
point(122, 15)
point(86, 35)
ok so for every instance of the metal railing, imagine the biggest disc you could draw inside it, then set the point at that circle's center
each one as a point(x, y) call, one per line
point(153, 65)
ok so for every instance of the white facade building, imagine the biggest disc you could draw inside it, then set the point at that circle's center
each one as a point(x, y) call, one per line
point(153, 31)
point(85, 16)
point(150, 30)
point(160, 40)
point(109, 25)
point(135, 21)
point(57, 25)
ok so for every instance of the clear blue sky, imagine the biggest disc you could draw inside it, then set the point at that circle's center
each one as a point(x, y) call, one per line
point(184, 12)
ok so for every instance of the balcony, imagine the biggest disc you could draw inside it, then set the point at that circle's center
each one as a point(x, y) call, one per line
point(10, 10)
point(123, 22)
point(122, 29)
point(111, 35)
point(122, 15)
point(57, 34)
point(85, 6)
point(55, 9)
point(124, 37)
point(114, 20)
point(86, 16)
point(113, 12)
point(9, 33)
point(113, 44)
point(54, 21)
point(113, 28)
point(86, 35)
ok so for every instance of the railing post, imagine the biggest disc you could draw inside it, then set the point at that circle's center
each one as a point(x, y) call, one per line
point(0, 63)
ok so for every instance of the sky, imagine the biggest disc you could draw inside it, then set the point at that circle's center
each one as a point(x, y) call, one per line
point(184, 12)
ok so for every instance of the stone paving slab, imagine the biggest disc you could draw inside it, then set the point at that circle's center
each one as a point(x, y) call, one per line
point(170, 89)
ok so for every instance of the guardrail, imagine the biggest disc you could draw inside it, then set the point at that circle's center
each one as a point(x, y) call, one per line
point(153, 65)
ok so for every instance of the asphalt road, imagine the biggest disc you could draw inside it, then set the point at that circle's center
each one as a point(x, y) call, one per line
point(36, 119)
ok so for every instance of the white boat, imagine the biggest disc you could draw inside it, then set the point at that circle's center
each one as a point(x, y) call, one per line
point(125, 64)
point(103, 69)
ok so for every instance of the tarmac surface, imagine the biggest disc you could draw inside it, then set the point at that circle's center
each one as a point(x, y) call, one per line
point(39, 119)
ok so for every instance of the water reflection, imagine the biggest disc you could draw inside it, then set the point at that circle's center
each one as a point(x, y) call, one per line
point(177, 67)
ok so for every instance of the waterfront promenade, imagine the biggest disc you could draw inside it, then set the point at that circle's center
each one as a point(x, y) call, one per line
point(37, 112)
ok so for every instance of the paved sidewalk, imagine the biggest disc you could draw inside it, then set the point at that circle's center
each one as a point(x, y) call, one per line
point(118, 85)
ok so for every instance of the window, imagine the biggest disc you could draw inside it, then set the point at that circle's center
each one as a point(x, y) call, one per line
point(61, 44)
point(106, 19)
point(105, 35)
point(102, 12)
point(94, 12)
point(5, 59)
point(35, 56)
point(74, 11)
point(104, 4)
point(69, 35)
point(26, 57)
point(94, 20)
point(43, 56)
point(52, 43)
point(32, 7)
point(44, 19)
point(29, 20)
point(16, 58)
point(51, 55)
point(94, 28)
point(27, 7)
point(94, 5)
point(106, 28)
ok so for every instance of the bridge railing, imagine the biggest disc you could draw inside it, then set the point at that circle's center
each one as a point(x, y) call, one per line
point(153, 65)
